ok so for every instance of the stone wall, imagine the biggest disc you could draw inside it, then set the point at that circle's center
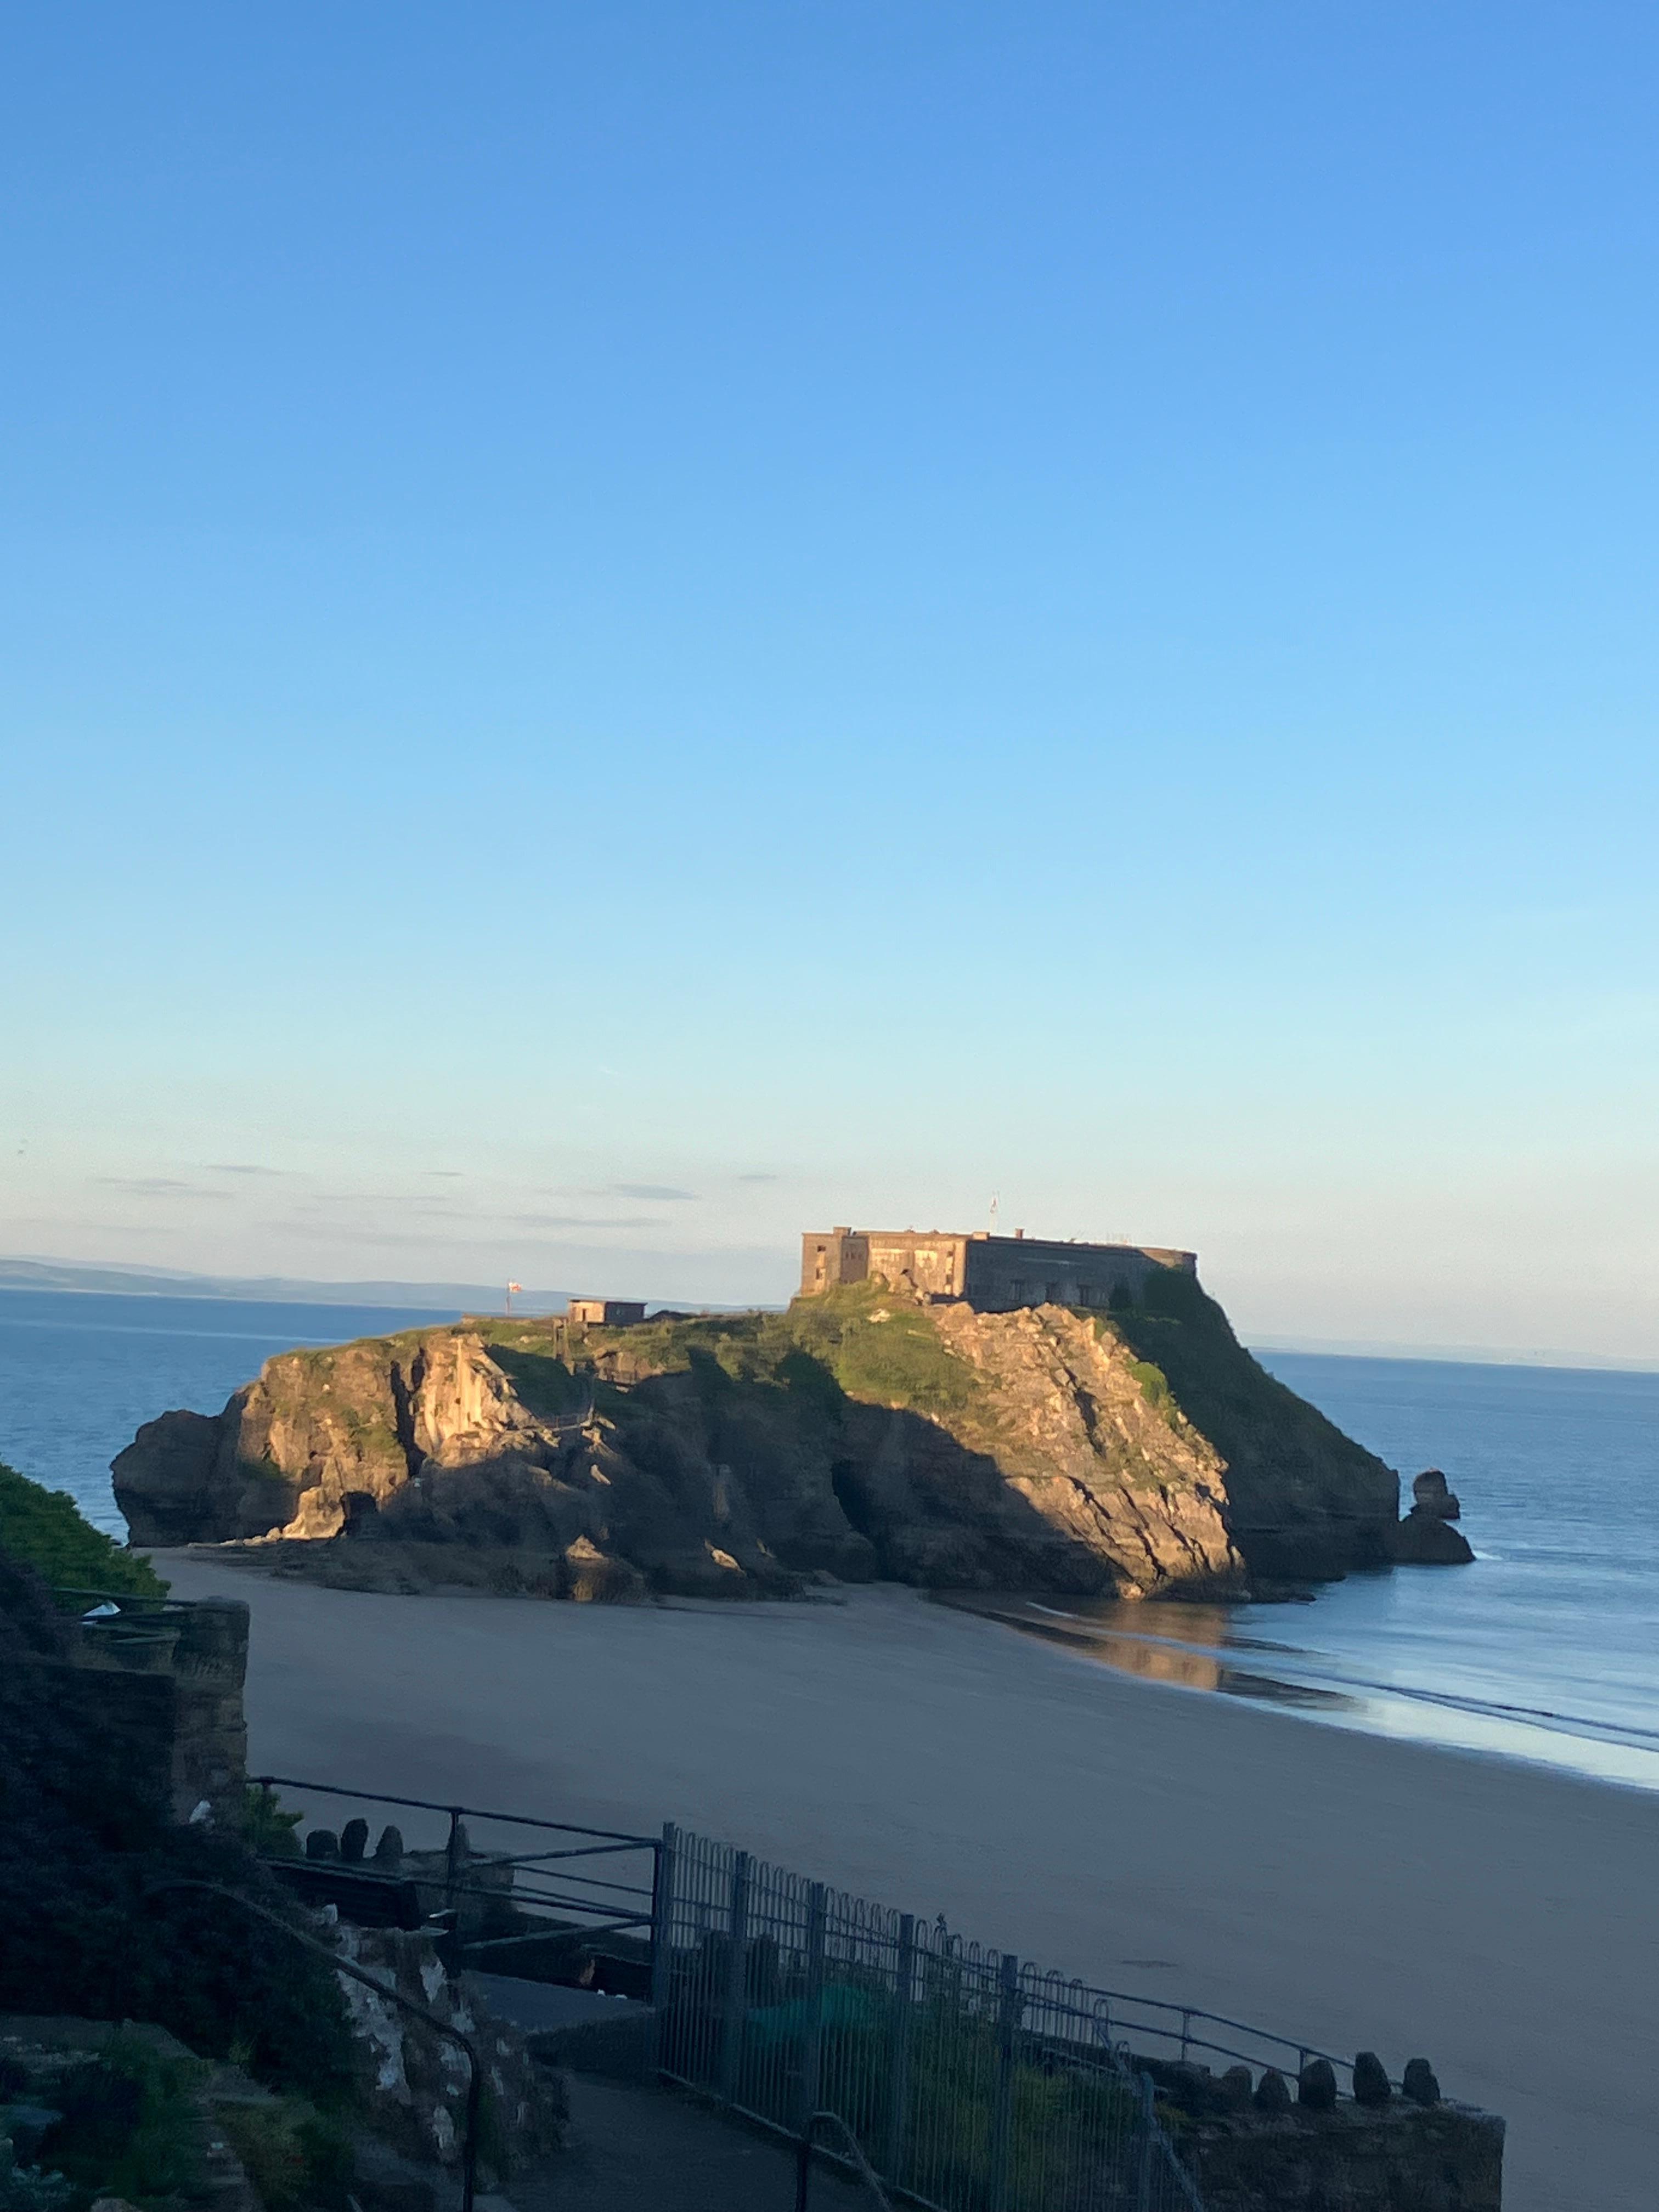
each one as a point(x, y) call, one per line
point(1398, 2157)
point(994, 1274)
point(174, 1673)
point(415, 2084)
point(1004, 1272)
point(1261, 2146)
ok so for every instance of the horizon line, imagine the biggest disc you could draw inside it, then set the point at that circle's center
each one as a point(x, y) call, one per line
point(427, 1297)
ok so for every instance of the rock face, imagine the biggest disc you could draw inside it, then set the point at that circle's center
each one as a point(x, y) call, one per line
point(859, 1435)
point(1422, 1539)
point(1425, 1538)
point(413, 2089)
point(1433, 1499)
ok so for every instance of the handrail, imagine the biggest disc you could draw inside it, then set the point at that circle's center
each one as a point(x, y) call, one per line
point(431, 1805)
point(620, 1840)
point(136, 1598)
point(853, 2155)
point(1108, 2020)
point(475, 2072)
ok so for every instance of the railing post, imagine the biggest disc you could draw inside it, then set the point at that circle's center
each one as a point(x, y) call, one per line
point(1143, 2180)
point(1009, 2009)
point(813, 2048)
point(734, 2006)
point(452, 1861)
point(898, 2083)
point(662, 1940)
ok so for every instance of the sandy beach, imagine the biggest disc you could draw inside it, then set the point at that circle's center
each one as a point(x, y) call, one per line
point(1500, 1919)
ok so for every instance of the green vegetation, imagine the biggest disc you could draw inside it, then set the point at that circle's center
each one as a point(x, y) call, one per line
point(294, 2155)
point(878, 1348)
point(1070, 2126)
point(1264, 1432)
point(545, 1386)
point(46, 1528)
point(860, 1341)
point(266, 1827)
point(1154, 1382)
point(130, 2126)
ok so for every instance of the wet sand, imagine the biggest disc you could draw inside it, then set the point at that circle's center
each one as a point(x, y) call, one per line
point(1502, 1920)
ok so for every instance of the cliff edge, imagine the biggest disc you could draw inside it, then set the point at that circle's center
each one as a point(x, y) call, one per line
point(859, 1435)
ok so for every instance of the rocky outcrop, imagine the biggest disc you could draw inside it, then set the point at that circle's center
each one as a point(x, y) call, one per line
point(1060, 1456)
point(1422, 1543)
point(1431, 1498)
point(860, 1434)
point(413, 2082)
point(1425, 1538)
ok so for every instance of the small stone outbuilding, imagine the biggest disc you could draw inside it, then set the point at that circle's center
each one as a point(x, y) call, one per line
point(606, 1313)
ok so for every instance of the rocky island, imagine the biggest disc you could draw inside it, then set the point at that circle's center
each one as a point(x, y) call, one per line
point(881, 1428)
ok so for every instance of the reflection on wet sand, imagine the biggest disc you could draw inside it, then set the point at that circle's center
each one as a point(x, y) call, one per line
point(1187, 1651)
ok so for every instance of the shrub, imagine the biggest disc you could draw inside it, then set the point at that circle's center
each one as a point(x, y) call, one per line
point(1154, 1384)
point(266, 1828)
point(294, 2155)
point(46, 1528)
point(128, 2127)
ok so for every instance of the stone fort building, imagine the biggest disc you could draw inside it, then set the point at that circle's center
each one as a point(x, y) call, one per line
point(995, 1274)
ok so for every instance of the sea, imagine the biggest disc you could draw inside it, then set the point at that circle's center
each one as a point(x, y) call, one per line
point(1545, 1648)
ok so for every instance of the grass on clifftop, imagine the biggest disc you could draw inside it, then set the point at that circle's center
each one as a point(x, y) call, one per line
point(865, 1342)
point(861, 1340)
point(45, 1528)
point(878, 1348)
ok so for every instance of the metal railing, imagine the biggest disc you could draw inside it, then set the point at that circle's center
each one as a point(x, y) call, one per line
point(821, 2124)
point(465, 1863)
point(966, 2079)
point(1187, 2035)
point(971, 2082)
point(96, 1608)
point(132, 1621)
point(71, 1598)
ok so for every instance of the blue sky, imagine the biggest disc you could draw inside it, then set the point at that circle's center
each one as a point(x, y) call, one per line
point(838, 608)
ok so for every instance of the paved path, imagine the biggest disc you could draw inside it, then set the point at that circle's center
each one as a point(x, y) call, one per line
point(651, 2150)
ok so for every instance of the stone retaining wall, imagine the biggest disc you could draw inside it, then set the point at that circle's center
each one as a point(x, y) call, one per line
point(1395, 2158)
point(174, 1677)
